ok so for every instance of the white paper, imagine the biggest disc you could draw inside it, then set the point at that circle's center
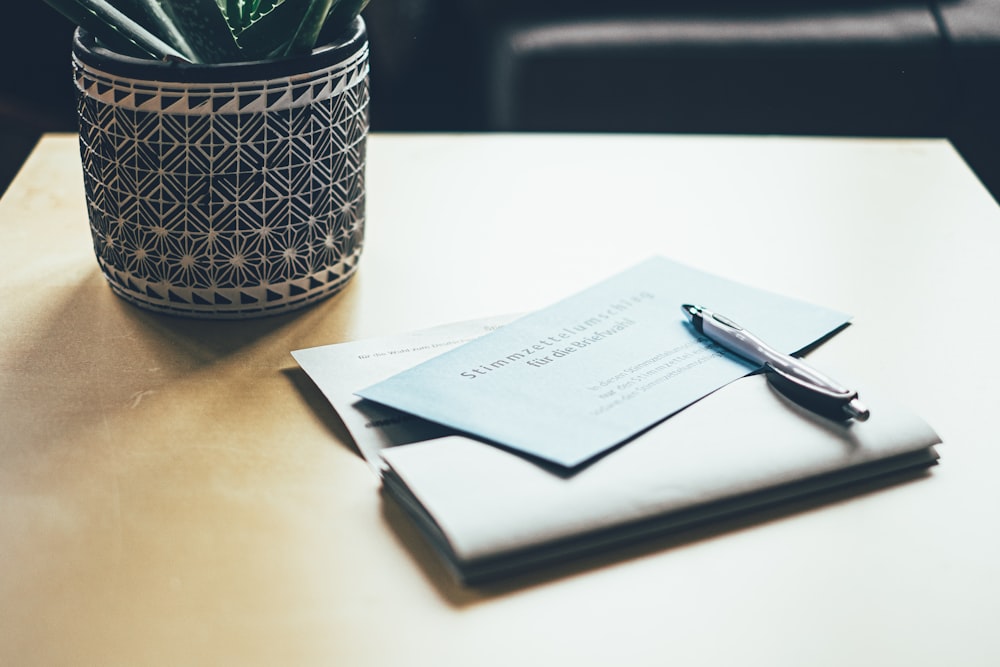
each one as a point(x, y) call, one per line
point(341, 369)
point(742, 439)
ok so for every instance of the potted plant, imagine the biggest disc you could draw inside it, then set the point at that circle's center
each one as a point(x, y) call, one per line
point(223, 149)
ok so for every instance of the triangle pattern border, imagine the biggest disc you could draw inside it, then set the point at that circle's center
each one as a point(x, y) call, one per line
point(201, 99)
point(232, 303)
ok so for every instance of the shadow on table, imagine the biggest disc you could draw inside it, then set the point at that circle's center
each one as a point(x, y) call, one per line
point(320, 407)
point(81, 353)
point(202, 342)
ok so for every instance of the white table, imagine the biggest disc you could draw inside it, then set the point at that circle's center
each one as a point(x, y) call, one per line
point(177, 492)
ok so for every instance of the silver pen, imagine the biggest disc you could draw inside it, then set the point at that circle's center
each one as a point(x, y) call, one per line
point(790, 375)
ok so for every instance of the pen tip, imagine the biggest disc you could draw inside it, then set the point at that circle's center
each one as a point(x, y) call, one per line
point(857, 410)
point(690, 311)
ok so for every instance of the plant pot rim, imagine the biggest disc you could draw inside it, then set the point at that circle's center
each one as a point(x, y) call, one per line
point(86, 49)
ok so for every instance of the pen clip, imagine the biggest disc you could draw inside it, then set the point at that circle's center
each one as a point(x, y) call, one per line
point(838, 406)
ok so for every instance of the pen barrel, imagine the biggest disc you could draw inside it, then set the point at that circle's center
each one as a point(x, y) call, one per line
point(807, 374)
point(747, 345)
point(790, 375)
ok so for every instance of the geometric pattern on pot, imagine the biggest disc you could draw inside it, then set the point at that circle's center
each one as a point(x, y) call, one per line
point(225, 200)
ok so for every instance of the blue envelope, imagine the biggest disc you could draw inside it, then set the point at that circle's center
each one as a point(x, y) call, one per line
point(569, 382)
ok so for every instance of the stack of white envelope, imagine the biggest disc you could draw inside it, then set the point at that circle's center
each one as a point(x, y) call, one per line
point(493, 506)
point(492, 512)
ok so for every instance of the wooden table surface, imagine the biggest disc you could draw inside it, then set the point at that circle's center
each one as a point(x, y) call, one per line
point(177, 492)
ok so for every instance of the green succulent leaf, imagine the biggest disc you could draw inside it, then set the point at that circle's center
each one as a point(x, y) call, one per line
point(344, 12)
point(266, 33)
point(152, 16)
point(115, 29)
point(310, 26)
point(205, 27)
point(211, 31)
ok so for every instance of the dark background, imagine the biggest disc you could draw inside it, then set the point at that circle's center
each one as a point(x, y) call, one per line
point(812, 67)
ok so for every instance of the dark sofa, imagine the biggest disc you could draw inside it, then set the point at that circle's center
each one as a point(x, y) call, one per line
point(826, 67)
